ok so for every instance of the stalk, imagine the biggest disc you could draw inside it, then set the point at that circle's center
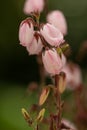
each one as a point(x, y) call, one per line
point(58, 102)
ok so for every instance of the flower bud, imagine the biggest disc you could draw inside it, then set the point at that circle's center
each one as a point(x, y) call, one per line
point(26, 32)
point(35, 46)
point(27, 116)
point(52, 61)
point(62, 82)
point(40, 115)
point(33, 6)
point(44, 94)
point(52, 35)
point(60, 21)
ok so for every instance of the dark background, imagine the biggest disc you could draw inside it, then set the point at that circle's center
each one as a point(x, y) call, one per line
point(15, 63)
point(17, 68)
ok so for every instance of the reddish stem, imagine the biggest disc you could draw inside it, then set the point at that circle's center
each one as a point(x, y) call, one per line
point(58, 101)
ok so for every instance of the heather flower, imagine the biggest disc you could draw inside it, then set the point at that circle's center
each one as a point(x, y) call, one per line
point(73, 76)
point(33, 6)
point(52, 61)
point(52, 35)
point(26, 32)
point(58, 20)
point(68, 124)
point(35, 46)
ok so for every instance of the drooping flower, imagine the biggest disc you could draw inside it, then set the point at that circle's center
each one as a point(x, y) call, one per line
point(73, 76)
point(52, 35)
point(68, 124)
point(33, 6)
point(35, 46)
point(57, 18)
point(26, 31)
point(52, 61)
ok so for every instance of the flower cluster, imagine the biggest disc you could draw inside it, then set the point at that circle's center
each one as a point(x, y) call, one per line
point(43, 38)
point(47, 40)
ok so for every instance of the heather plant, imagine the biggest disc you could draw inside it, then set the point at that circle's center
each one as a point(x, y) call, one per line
point(47, 41)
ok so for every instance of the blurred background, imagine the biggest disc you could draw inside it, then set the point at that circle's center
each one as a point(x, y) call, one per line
point(17, 69)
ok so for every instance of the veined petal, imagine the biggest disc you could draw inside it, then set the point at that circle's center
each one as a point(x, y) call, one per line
point(26, 32)
point(52, 35)
point(35, 46)
point(52, 62)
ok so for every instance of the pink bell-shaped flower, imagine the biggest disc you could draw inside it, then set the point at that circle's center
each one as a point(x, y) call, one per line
point(68, 124)
point(33, 6)
point(26, 32)
point(52, 61)
point(73, 76)
point(52, 35)
point(58, 20)
point(35, 47)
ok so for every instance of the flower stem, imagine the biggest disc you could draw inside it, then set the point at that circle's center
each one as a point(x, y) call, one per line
point(58, 101)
